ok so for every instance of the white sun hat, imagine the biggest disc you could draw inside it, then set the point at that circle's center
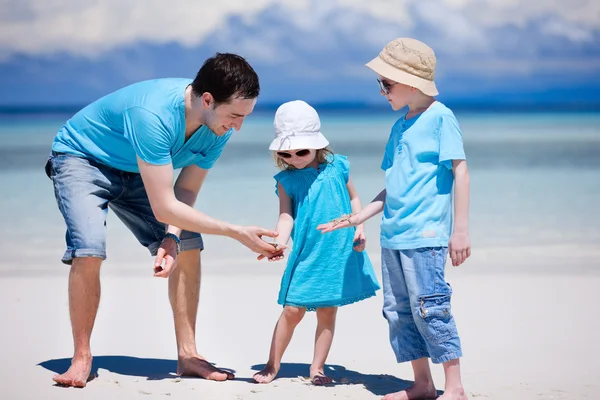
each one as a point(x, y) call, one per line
point(297, 126)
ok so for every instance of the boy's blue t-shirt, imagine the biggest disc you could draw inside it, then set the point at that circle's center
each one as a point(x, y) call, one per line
point(147, 120)
point(418, 179)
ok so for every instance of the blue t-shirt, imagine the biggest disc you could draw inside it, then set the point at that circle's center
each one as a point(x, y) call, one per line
point(146, 119)
point(418, 179)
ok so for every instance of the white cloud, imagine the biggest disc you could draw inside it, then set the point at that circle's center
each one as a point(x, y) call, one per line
point(90, 27)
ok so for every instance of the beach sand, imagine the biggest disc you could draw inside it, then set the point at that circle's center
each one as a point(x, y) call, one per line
point(528, 320)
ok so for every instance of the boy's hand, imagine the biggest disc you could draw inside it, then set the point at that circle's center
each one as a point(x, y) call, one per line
point(459, 248)
point(345, 221)
point(360, 240)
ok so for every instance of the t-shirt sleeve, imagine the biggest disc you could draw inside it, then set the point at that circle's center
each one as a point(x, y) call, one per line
point(214, 152)
point(344, 166)
point(451, 141)
point(286, 181)
point(390, 149)
point(148, 135)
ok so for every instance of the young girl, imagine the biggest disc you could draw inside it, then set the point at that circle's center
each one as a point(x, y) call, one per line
point(323, 272)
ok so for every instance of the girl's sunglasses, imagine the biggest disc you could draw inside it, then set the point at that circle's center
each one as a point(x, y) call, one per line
point(299, 153)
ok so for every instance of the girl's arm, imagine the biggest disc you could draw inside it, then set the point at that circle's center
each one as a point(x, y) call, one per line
point(359, 236)
point(285, 223)
point(460, 244)
point(372, 209)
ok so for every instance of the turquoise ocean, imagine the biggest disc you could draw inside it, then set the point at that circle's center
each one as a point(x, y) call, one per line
point(535, 190)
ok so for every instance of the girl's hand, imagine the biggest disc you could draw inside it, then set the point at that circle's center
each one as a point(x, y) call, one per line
point(276, 256)
point(360, 240)
point(345, 221)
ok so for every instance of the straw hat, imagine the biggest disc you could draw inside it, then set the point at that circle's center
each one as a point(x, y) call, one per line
point(297, 126)
point(407, 61)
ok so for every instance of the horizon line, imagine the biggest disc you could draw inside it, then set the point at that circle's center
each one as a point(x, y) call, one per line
point(510, 106)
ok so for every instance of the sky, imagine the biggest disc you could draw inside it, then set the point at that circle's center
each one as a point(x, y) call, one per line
point(70, 52)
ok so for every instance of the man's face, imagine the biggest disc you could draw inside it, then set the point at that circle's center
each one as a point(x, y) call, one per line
point(229, 115)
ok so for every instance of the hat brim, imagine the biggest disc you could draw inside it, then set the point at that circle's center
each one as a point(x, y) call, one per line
point(291, 142)
point(397, 75)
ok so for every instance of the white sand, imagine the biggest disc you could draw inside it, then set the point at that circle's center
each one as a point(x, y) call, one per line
point(529, 335)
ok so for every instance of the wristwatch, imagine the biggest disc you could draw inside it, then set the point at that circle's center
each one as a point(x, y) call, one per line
point(175, 238)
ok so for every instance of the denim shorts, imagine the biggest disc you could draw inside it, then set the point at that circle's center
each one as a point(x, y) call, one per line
point(416, 304)
point(85, 189)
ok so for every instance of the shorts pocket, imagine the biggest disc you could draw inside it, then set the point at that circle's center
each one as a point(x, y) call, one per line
point(436, 317)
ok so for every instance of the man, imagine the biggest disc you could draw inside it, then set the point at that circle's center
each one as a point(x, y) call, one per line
point(121, 152)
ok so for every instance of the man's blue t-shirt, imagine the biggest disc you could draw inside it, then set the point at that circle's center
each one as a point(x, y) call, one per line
point(418, 179)
point(147, 120)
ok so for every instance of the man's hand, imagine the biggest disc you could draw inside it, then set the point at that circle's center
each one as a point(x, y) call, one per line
point(167, 253)
point(251, 237)
point(339, 223)
point(459, 248)
point(360, 241)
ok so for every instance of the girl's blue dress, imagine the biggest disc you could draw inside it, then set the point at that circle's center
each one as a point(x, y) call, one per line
point(323, 270)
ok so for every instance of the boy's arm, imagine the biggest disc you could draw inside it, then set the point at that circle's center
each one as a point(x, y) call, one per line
point(370, 210)
point(460, 244)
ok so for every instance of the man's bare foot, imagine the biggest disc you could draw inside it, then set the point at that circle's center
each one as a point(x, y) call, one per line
point(418, 391)
point(198, 367)
point(318, 378)
point(266, 375)
point(77, 375)
point(454, 394)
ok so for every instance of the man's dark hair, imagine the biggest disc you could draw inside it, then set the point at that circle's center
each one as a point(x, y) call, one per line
point(225, 76)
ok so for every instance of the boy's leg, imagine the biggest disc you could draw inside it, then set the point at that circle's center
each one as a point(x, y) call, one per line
point(430, 296)
point(405, 338)
point(82, 190)
point(133, 208)
point(323, 339)
point(289, 319)
point(453, 389)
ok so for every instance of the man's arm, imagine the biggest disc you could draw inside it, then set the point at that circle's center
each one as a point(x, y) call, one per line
point(460, 244)
point(186, 189)
point(158, 181)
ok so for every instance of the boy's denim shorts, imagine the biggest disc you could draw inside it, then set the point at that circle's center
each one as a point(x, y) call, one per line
point(417, 305)
point(85, 189)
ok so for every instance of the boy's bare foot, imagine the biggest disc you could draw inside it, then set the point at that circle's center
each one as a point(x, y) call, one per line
point(418, 391)
point(199, 367)
point(78, 373)
point(320, 379)
point(266, 375)
point(454, 394)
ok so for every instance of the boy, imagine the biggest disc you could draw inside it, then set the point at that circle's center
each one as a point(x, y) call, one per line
point(423, 158)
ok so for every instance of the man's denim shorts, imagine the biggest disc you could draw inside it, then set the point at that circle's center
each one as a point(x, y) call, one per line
point(84, 191)
point(416, 304)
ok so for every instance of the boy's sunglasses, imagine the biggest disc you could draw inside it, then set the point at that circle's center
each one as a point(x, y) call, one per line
point(299, 153)
point(385, 86)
